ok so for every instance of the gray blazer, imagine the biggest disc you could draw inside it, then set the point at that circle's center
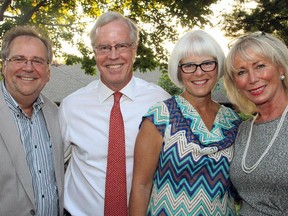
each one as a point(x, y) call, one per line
point(16, 190)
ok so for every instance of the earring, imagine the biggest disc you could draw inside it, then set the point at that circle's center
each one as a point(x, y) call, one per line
point(282, 77)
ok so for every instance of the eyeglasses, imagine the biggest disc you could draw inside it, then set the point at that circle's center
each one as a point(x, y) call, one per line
point(106, 49)
point(191, 67)
point(21, 61)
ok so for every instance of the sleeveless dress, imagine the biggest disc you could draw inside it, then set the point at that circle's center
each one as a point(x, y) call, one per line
point(192, 177)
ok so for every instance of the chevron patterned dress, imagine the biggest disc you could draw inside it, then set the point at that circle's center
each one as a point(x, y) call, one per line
point(192, 177)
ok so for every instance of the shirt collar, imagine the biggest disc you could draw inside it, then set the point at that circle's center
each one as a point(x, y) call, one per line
point(13, 105)
point(128, 90)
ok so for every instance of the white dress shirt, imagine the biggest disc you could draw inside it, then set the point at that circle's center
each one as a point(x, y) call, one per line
point(84, 120)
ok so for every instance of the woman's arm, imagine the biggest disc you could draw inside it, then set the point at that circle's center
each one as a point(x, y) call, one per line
point(146, 155)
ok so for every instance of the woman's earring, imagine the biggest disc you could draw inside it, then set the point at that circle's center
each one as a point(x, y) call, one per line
point(282, 77)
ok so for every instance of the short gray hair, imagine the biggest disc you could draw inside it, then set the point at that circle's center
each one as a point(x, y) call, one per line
point(197, 42)
point(112, 16)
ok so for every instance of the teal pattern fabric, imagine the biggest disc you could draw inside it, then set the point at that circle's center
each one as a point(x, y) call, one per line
point(192, 177)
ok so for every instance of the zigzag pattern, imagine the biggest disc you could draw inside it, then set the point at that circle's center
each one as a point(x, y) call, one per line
point(224, 121)
point(184, 206)
point(159, 113)
point(192, 178)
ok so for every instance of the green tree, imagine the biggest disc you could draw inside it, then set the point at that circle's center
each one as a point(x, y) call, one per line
point(167, 84)
point(62, 19)
point(159, 21)
point(270, 16)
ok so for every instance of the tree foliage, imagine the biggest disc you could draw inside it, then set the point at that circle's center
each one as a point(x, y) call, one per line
point(167, 84)
point(63, 19)
point(53, 17)
point(159, 21)
point(270, 16)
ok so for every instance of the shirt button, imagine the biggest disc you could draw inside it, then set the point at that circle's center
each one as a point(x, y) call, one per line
point(32, 212)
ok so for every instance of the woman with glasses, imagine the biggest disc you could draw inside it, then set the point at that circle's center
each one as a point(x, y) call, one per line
point(185, 144)
point(256, 79)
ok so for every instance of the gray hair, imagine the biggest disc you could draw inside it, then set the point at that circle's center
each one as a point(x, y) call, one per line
point(112, 16)
point(197, 42)
point(264, 45)
point(25, 31)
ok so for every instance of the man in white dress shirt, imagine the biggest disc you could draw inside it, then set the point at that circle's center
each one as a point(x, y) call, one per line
point(84, 115)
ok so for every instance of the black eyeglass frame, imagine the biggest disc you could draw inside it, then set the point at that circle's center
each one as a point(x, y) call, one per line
point(198, 65)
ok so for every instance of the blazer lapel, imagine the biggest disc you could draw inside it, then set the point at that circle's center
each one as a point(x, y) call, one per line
point(11, 138)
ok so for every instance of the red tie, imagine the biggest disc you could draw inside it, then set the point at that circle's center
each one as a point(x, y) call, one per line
point(115, 189)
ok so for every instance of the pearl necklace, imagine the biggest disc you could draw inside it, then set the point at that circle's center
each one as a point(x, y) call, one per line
point(252, 168)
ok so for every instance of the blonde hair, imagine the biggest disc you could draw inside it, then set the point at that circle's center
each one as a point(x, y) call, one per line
point(264, 45)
